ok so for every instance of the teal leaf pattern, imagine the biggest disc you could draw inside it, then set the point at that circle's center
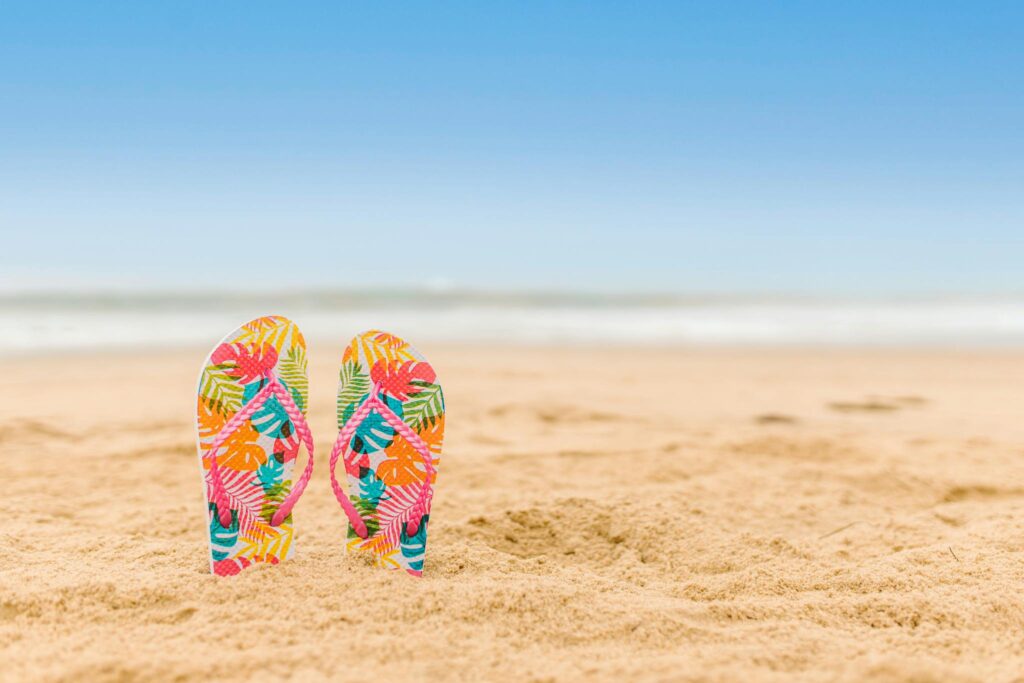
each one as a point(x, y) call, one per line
point(381, 467)
point(256, 462)
point(271, 418)
point(222, 539)
point(374, 433)
point(415, 547)
point(270, 477)
point(370, 491)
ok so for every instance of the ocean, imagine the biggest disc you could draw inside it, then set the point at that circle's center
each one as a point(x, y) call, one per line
point(52, 322)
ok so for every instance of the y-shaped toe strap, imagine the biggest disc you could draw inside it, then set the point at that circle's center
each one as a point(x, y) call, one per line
point(224, 500)
point(421, 505)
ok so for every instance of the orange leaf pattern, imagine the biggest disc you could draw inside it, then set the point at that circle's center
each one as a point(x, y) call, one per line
point(386, 474)
point(257, 459)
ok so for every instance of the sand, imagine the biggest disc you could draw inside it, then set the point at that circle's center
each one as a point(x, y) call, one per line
point(601, 514)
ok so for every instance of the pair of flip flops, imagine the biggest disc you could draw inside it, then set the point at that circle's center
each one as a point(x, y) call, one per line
point(251, 424)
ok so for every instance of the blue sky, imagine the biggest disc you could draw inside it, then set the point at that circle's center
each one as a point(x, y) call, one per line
point(863, 148)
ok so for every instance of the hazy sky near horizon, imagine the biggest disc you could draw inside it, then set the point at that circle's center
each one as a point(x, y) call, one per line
point(712, 147)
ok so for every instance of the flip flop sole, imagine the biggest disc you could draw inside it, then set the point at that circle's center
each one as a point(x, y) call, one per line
point(384, 471)
point(257, 460)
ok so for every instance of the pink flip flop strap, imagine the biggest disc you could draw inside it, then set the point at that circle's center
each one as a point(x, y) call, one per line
point(220, 495)
point(421, 506)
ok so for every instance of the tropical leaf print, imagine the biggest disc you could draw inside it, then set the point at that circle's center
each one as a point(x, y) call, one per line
point(245, 363)
point(403, 466)
point(230, 566)
point(371, 488)
point(353, 388)
point(367, 511)
point(291, 370)
point(386, 559)
point(387, 475)
point(247, 524)
point(286, 449)
point(380, 546)
point(383, 555)
point(370, 491)
point(395, 509)
point(256, 460)
point(246, 496)
point(208, 421)
point(269, 546)
point(414, 547)
point(271, 418)
point(222, 539)
point(425, 407)
point(242, 486)
point(241, 450)
point(251, 524)
point(270, 479)
point(374, 346)
point(374, 433)
point(220, 391)
point(402, 379)
point(271, 330)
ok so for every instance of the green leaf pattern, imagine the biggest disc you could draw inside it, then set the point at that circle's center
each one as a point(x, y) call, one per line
point(226, 395)
point(378, 355)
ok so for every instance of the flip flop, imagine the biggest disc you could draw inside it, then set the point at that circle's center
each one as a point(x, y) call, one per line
point(391, 422)
point(250, 414)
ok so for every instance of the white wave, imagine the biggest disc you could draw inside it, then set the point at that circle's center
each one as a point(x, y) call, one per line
point(969, 324)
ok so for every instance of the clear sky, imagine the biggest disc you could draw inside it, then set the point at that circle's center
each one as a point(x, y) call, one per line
point(712, 147)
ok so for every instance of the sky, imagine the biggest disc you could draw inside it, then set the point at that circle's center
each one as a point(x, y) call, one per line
point(794, 147)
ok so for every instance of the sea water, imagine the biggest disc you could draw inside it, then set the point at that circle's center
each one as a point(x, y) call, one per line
point(55, 322)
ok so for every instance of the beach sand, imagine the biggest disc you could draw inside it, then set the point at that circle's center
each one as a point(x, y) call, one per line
point(601, 514)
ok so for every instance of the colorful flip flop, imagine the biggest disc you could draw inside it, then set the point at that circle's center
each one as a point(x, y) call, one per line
point(391, 422)
point(253, 391)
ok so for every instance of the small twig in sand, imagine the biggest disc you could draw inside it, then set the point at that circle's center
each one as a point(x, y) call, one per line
point(836, 531)
point(953, 554)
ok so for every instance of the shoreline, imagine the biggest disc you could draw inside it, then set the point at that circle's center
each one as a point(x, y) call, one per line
point(883, 325)
point(8, 357)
